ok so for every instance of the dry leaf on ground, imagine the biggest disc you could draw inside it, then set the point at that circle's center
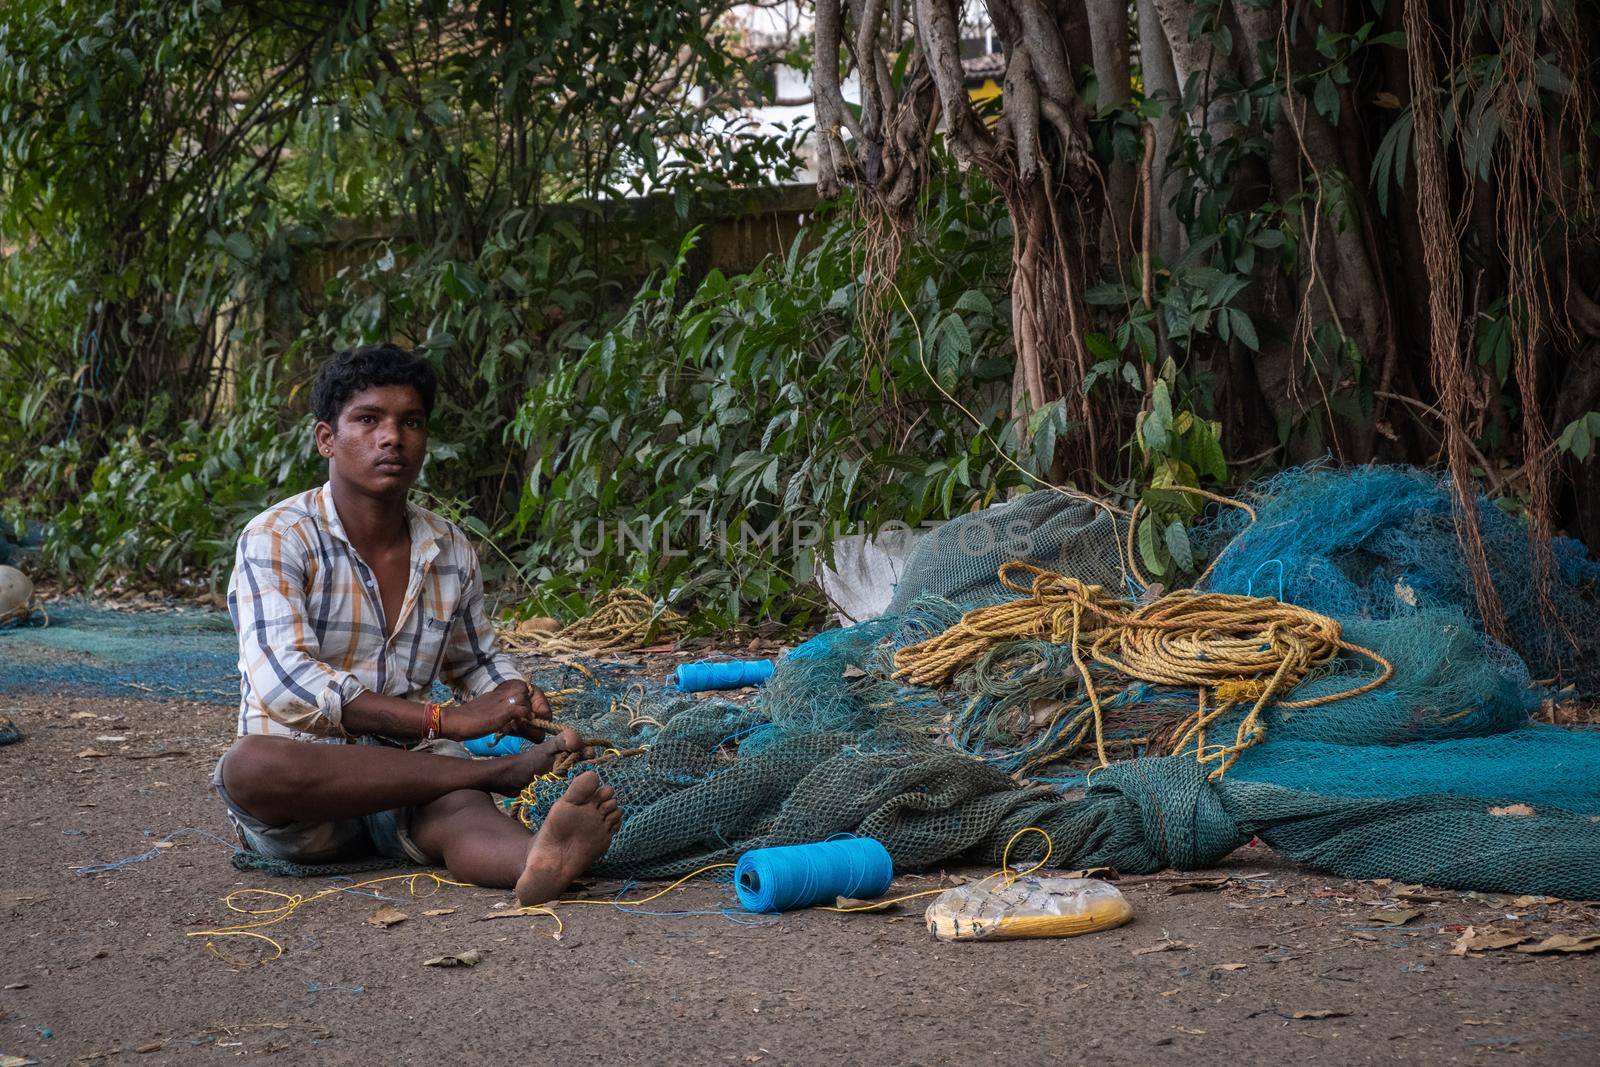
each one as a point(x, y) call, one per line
point(1486, 939)
point(440, 911)
point(1197, 885)
point(1417, 893)
point(470, 958)
point(1108, 874)
point(1394, 918)
point(854, 905)
point(387, 916)
point(1564, 943)
point(1230, 966)
point(1163, 946)
point(1320, 1013)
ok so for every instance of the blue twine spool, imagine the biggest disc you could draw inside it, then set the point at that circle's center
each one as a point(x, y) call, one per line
point(699, 677)
point(787, 877)
point(486, 745)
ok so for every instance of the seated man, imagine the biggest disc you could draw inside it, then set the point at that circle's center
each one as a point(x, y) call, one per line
point(349, 602)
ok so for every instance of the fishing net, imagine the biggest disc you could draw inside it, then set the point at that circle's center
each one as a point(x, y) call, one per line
point(1435, 775)
point(166, 655)
point(1067, 533)
point(1379, 542)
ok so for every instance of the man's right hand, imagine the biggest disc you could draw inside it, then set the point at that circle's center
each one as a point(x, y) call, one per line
point(508, 709)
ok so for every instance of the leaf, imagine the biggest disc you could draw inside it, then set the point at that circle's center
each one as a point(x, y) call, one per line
point(1319, 1013)
point(1101, 348)
point(387, 916)
point(1168, 945)
point(851, 904)
point(439, 911)
point(1177, 539)
point(1488, 939)
point(470, 958)
point(1244, 329)
point(956, 334)
point(975, 302)
point(1198, 885)
point(1326, 98)
point(1230, 966)
point(1147, 547)
point(239, 246)
point(1108, 294)
point(1394, 918)
point(1563, 943)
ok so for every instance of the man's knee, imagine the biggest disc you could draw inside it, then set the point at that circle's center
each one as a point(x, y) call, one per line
point(455, 803)
point(258, 771)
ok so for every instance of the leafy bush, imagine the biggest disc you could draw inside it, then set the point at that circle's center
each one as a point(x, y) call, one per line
point(716, 441)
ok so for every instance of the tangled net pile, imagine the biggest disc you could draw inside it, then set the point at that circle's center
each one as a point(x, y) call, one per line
point(1369, 726)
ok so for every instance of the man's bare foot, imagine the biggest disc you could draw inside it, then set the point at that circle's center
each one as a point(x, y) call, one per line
point(508, 774)
point(574, 834)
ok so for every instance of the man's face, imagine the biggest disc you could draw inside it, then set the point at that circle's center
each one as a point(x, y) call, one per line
point(379, 441)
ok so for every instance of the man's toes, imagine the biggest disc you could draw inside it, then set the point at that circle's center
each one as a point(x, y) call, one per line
point(614, 821)
point(582, 789)
point(609, 806)
point(605, 793)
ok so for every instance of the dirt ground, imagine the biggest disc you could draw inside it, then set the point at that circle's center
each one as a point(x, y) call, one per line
point(1257, 962)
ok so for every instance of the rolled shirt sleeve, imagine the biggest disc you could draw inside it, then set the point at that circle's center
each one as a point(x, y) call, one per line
point(279, 654)
point(473, 661)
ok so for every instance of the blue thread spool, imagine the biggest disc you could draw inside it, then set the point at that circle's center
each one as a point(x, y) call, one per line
point(787, 877)
point(699, 677)
point(486, 745)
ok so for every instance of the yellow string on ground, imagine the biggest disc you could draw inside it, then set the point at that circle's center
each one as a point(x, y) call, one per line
point(293, 902)
point(622, 620)
point(1239, 649)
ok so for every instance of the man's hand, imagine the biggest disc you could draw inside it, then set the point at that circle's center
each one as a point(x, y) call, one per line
point(509, 708)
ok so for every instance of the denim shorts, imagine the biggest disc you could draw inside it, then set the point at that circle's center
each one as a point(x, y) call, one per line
point(383, 833)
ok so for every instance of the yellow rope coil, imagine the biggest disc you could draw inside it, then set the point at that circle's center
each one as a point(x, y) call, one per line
point(623, 620)
point(1239, 649)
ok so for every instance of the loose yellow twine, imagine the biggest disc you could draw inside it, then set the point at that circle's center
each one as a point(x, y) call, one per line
point(293, 902)
point(1241, 649)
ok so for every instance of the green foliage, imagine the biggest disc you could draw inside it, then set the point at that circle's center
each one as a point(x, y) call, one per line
point(199, 201)
point(1579, 436)
point(714, 443)
point(1177, 449)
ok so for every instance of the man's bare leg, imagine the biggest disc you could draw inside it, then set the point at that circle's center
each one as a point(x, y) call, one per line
point(281, 781)
point(464, 831)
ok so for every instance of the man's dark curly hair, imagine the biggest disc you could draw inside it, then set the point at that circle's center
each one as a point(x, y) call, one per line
point(347, 373)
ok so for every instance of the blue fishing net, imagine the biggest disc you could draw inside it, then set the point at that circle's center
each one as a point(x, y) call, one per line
point(1438, 775)
point(182, 654)
point(1380, 542)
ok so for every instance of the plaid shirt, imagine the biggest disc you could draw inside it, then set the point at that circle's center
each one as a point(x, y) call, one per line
point(311, 624)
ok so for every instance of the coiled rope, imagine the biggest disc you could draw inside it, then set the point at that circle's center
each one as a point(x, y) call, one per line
point(1233, 649)
point(621, 621)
